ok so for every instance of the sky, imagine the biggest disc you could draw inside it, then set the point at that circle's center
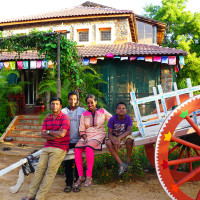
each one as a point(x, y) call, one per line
point(17, 8)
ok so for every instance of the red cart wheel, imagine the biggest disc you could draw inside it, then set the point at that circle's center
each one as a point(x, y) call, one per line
point(165, 163)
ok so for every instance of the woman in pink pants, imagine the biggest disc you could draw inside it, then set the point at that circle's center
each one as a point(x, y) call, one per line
point(92, 132)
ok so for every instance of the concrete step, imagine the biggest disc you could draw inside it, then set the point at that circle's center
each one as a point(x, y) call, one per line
point(27, 138)
point(29, 121)
point(26, 131)
point(28, 126)
point(27, 142)
point(30, 116)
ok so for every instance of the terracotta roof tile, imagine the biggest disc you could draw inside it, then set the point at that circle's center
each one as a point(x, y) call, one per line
point(73, 12)
point(28, 55)
point(127, 49)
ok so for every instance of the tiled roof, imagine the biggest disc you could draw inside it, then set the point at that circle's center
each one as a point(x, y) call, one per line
point(128, 49)
point(73, 12)
point(29, 55)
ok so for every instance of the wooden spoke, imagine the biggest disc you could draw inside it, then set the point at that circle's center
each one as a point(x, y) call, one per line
point(188, 177)
point(191, 122)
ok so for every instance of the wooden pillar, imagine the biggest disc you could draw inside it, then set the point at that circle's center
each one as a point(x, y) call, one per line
point(58, 67)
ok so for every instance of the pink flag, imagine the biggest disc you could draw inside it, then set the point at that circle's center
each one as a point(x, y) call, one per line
point(39, 64)
point(133, 58)
point(172, 60)
point(20, 64)
point(109, 55)
point(157, 59)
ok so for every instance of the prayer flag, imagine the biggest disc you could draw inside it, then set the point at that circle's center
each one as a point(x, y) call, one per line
point(109, 55)
point(164, 59)
point(50, 64)
point(38, 64)
point(140, 58)
point(133, 58)
point(44, 64)
point(25, 64)
point(33, 64)
point(157, 59)
point(181, 60)
point(172, 60)
point(12, 65)
point(1, 65)
point(117, 57)
point(93, 60)
point(85, 61)
point(20, 64)
point(124, 58)
point(148, 59)
point(100, 58)
point(7, 65)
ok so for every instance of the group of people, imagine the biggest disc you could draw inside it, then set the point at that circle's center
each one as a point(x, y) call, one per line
point(83, 130)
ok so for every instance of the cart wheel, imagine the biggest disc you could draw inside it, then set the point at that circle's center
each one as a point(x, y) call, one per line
point(165, 163)
point(150, 148)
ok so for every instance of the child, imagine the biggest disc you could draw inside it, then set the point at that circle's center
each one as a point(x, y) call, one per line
point(120, 128)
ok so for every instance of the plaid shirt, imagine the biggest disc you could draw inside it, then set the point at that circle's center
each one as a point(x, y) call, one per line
point(62, 121)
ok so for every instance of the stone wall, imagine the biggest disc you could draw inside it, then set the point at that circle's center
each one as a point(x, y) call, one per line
point(166, 77)
point(121, 26)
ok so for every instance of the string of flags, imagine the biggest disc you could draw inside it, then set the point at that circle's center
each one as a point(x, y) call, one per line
point(33, 64)
point(170, 60)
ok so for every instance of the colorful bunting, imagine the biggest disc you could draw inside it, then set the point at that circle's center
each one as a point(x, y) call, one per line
point(20, 64)
point(109, 55)
point(33, 64)
point(38, 64)
point(157, 59)
point(148, 59)
point(100, 58)
point(172, 60)
point(124, 58)
point(50, 64)
point(117, 57)
point(181, 60)
point(176, 69)
point(25, 64)
point(1, 65)
point(164, 59)
point(140, 58)
point(44, 64)
point(133, 58)
point(7, 65)
point(85, 61)
point(93, 60)
point(12, 65)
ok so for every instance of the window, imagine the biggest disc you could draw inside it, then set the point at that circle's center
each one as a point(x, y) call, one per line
point(105, 34)
point(83, 35)
point(147, 34)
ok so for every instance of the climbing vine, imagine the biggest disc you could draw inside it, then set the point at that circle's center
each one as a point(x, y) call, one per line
point(46, 45)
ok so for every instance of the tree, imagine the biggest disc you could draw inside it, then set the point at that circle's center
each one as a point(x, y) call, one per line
point(182, 32)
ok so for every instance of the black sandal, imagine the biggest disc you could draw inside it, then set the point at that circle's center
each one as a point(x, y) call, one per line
point(68, 188)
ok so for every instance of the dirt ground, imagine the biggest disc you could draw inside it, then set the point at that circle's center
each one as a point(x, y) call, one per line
point(146, 188)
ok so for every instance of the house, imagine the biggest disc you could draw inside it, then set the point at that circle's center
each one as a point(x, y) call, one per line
point(125, 48)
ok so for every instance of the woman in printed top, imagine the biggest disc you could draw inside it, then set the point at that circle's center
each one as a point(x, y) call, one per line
point(92, 132)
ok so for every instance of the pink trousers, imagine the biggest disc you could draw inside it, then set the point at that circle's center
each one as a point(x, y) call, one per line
point(89, 159)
